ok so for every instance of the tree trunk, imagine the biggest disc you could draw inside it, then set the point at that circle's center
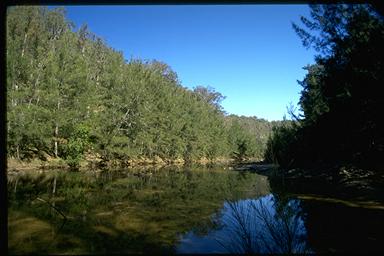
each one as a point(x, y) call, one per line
point(24, 44)
point(57, 132)
point(34, 88)
point(30, 102)
point(15, 87)
point(56, 135)
point(17, 152)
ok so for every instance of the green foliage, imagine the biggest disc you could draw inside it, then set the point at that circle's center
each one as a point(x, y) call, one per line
point(58, 78)
point(77, 144)
point(247, 136)
point(281, 145)
point(341, 97)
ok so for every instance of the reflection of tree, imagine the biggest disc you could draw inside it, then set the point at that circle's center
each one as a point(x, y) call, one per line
point(263, 226)
point(116, 211)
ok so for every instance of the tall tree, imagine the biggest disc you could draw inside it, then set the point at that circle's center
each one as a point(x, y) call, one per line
point(341, 97)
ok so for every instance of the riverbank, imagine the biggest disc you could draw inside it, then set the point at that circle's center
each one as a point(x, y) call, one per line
point(95, 162)
point(348, 185)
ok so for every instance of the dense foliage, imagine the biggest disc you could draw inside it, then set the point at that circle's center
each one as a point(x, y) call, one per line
point(341, 100)
point(69, 93)
point(248, 135)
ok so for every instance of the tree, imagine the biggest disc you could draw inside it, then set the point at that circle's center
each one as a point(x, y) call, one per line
point(209, 95)
point(341, 92)
point(68, 91)
point(78, 143)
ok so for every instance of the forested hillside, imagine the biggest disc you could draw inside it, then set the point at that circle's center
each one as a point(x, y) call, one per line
point(70, 94)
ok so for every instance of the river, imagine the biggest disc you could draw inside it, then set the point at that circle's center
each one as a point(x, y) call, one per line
point(178, 210)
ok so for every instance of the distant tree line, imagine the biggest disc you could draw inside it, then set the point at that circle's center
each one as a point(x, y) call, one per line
point(69, 93)
point(341, 100)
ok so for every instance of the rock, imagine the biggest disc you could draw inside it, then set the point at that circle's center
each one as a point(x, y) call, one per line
point(44, 156)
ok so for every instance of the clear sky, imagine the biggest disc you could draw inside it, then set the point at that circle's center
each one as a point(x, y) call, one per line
point(249, 53)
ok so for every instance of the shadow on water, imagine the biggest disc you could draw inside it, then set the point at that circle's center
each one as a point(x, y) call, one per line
point(310, 216)
point(263, 225)
point(340, 217)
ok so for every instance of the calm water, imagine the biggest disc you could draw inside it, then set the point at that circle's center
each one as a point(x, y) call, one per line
point(187, 210)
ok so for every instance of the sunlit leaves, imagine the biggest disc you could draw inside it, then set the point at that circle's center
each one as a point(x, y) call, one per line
point(132, 108)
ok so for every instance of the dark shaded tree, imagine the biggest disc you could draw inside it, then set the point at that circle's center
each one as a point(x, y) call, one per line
point(341, 97)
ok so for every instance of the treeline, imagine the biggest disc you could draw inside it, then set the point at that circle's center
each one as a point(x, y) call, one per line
point(248, 136)
point(69, 93)
point(341, 100)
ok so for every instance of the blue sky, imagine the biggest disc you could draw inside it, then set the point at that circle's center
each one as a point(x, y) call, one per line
point(249, 53)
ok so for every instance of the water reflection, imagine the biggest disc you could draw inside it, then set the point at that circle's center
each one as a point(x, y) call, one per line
point(263, 225)
point(178, 210)
point(123, 211)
